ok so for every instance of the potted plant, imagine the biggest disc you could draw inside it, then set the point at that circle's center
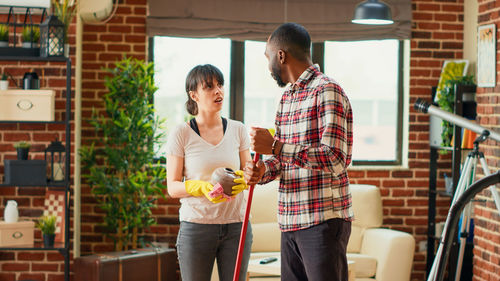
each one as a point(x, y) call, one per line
point(65, 10)
point(4, 35)
point(30, 36)
point(4, 82)
point(446, 101)
point(22, 149)
point(119, 165)
point(47, 224)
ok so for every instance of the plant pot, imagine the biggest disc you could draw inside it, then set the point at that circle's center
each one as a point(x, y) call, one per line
point(4, 44)
point(28, 45)
point(4, 84)
point(48, 240)
point(22, 153)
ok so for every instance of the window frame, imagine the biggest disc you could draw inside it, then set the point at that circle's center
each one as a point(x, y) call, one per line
point(237, 95)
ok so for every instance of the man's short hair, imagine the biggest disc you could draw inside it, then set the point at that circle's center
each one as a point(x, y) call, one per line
point(294, 39)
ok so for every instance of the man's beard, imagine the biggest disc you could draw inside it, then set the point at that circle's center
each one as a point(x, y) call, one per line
point(276, 74)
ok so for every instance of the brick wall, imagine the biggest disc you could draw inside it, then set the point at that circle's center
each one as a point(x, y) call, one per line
point(34, 265)
point(437, 35)
point(487, 220)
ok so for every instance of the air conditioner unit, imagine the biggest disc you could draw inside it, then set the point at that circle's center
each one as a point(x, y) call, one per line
point(95, 10)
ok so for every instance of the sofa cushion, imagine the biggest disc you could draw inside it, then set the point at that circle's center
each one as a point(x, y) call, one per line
point(265, 203)
point(365, 266)
point(366, 205)
point(354, 244)
point(266, 237)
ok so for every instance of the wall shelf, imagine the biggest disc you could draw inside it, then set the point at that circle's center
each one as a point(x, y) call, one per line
point(32, 122)
point(62, 248)
point(33, 58)
point(456, 151)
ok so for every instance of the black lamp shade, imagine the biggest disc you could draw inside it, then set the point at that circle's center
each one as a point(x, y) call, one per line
point(372, 12)
point(52, 37)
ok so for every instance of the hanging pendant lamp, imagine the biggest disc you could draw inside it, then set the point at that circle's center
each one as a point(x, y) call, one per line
point(372, 12)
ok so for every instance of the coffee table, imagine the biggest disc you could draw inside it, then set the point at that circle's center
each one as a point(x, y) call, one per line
point(274, 268)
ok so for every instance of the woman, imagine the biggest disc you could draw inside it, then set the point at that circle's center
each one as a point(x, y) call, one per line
point(209, 226)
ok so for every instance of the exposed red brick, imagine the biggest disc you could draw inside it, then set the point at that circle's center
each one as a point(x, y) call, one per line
point(30, 256)
point(17, 267)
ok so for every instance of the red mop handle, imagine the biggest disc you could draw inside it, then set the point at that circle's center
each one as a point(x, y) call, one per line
point(243, 234)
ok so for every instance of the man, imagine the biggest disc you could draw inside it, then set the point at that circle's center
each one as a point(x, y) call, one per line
point(310, 152)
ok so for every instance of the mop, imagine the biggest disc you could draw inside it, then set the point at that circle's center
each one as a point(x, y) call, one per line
point(243, 234)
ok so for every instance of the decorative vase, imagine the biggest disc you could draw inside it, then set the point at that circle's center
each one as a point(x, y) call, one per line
point(11, 214)
point(226, 177)
point(48, 240)
point(22, 153)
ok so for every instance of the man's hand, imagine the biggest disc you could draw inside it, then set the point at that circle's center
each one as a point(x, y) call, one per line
point(261, 140)
point(253, 172)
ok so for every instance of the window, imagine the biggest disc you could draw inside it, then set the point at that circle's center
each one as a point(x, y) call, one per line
point(368, 71)
point(262, 94)
point(174, 58)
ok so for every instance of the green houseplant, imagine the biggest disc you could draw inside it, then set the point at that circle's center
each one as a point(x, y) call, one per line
point(47, 224)
point(29, 35)
point(4, 35)
point(446, 100)
point(22, 149)
point(119, 165)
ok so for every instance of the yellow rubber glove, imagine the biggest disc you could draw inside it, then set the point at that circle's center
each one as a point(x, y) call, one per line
point(241, 183)
point(202, 188)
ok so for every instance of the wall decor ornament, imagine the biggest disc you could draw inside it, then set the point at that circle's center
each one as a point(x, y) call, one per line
point(55, 158)
point(52, 34)
point(54, 206)
point(486, 56)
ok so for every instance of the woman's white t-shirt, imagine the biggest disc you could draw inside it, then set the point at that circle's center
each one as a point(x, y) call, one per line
point(200, 160)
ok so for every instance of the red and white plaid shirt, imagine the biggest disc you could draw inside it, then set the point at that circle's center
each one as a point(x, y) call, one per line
point(314, 121)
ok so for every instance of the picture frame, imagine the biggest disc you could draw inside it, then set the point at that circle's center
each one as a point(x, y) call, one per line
point(486, 55)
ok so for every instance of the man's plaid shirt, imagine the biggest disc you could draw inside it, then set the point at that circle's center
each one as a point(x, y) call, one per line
point(314, 121)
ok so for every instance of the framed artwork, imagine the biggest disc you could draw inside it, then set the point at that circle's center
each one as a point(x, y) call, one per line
point(54, 205)
point(451, 70)
point(486, 56)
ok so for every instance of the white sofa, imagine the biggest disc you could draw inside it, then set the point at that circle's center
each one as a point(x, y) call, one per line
point(380, 254)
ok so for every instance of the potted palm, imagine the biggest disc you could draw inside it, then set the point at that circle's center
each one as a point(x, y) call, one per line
point(30, 36)
point(65, 11)
point(47, 224)
point(4, 35)
point(119, 165)
point(22, 149)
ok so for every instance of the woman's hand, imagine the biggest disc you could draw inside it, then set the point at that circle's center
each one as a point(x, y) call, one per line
point(241, 183)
